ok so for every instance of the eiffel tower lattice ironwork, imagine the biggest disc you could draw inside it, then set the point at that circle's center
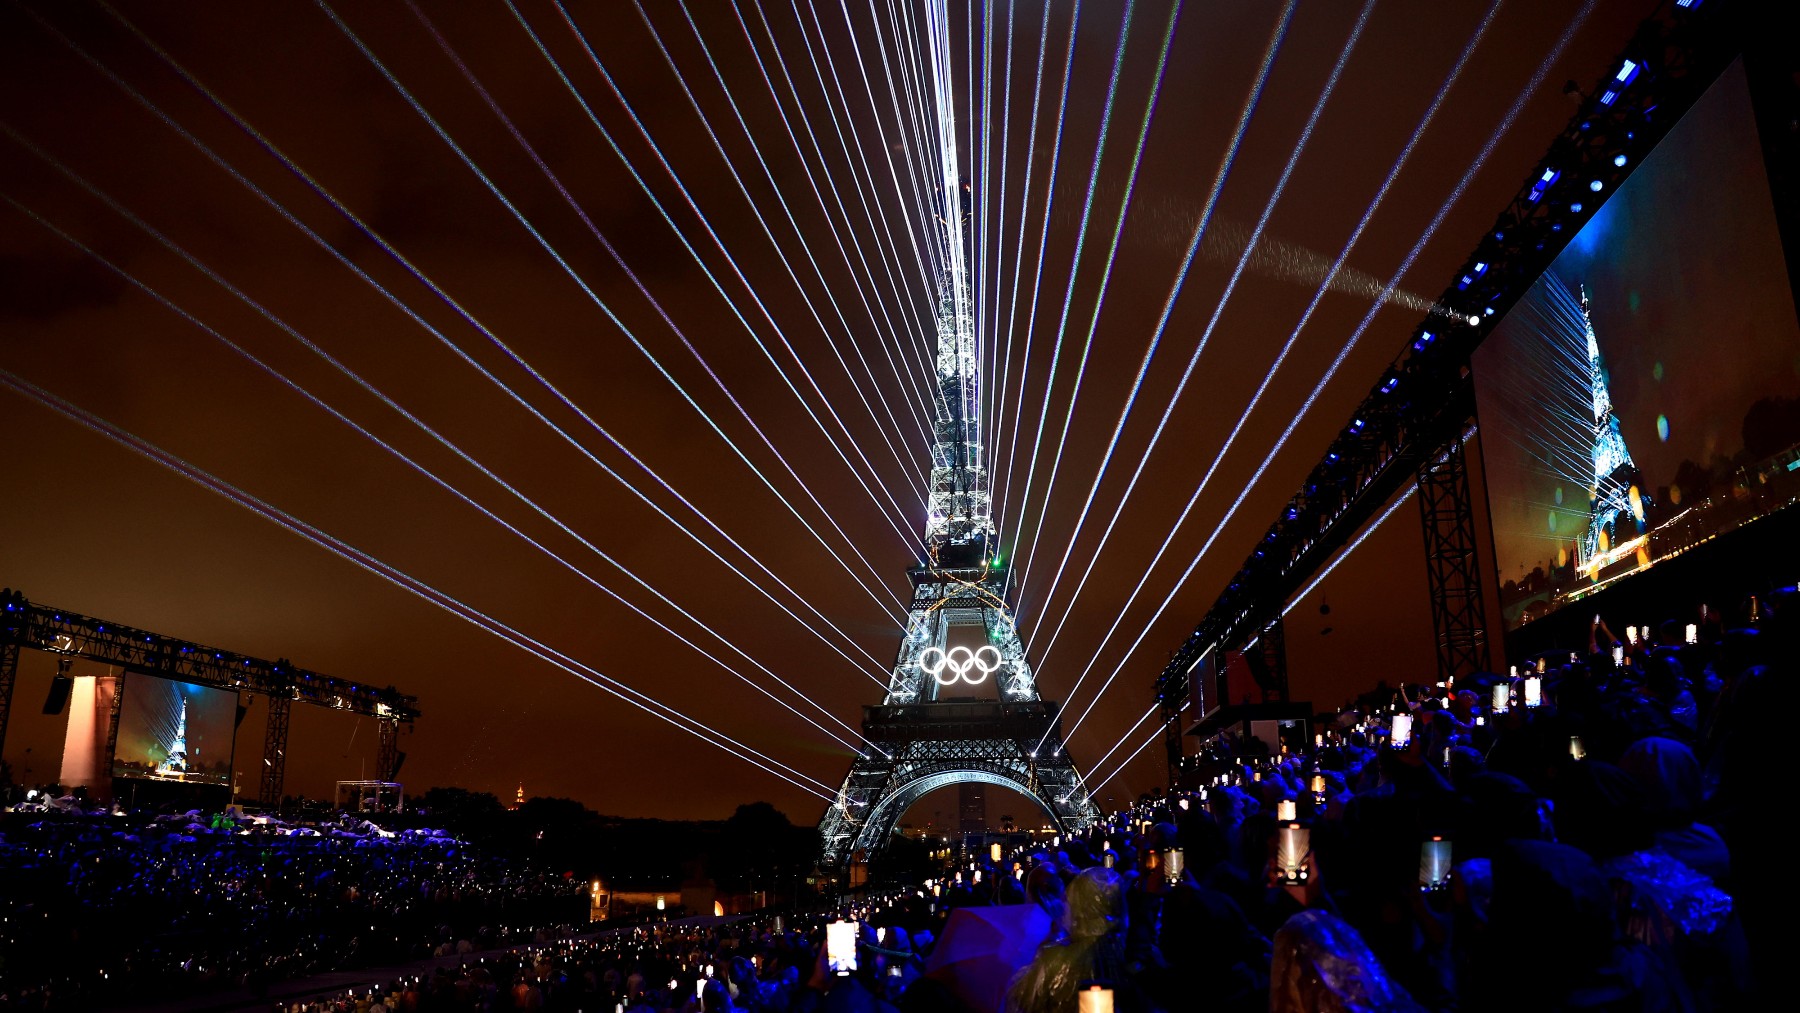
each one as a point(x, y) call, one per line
point(960, 637)
point(1616, 503)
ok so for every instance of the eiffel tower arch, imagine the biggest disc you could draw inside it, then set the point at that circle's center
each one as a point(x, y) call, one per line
point(928, 732)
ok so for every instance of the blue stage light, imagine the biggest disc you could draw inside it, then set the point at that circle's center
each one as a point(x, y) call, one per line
point(1596, 186)
point(1619, 160)
point(1544, 183)
point(1575, 207)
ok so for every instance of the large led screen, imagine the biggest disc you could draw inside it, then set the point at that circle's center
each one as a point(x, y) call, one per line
point(175, 731)
point(1644, 396)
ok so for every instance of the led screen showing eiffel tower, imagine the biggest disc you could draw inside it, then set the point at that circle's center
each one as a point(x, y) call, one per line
point(1641, 399)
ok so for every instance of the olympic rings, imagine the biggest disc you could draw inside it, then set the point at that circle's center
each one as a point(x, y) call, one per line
point(958, 662)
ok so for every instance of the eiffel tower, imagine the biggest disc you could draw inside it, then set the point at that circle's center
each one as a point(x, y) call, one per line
point(931, 730)
point(1613, 519)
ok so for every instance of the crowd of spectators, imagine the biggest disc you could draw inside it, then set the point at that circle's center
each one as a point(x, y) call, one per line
point(99, 905)
point(1575, 834)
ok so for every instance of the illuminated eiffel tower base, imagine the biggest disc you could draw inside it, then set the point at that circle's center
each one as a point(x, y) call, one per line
point(922, 738)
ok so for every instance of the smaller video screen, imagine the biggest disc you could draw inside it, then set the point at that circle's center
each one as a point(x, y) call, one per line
point(175, 731)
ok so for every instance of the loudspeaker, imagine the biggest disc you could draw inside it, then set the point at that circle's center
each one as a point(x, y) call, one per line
point(60, 686)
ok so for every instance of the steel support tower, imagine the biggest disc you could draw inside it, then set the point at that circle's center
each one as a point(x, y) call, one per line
point(959, 636)
point(1458, 610)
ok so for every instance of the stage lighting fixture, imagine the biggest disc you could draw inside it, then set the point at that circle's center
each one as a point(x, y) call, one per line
point(1595, 186)
point(1619, 160)
point(1544, 183)
point(1575, 208)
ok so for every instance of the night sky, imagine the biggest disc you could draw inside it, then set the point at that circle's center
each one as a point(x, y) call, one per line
point(90, 526)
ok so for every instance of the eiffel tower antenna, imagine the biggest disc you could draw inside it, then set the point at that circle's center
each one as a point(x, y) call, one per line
point(935, 726)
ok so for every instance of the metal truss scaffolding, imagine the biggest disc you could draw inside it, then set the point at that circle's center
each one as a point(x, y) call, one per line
point(1458, 610)
point(71, 635)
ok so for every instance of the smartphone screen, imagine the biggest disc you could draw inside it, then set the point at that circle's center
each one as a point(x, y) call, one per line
point(1095, 999)
point(840, 947)
point(1174, 860)
point(1402, 731)
point(1577, 751)
point(1618, 652)
point(1290, 854)
point(699, 987)
point(1434, 864)
point(1108, 859)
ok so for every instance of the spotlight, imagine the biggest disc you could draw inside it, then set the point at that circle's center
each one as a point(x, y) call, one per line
point(1544, 183)
point(1619, 160)
point(1575, 208)
point(1595, 186)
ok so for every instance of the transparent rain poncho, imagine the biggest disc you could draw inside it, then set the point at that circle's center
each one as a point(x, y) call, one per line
point(1323, 966)
point(1088, 946)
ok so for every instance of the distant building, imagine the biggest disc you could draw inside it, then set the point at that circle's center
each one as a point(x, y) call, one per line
point(519, 799)
point(971, 808)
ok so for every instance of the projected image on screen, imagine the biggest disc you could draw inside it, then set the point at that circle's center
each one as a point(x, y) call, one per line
point(1644, 396)
point(175, 731)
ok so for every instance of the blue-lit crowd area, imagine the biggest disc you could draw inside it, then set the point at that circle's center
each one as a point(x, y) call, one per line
point(103, 906)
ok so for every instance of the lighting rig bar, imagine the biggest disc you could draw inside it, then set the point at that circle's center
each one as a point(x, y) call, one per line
point(24, 623)
point(1423, 400)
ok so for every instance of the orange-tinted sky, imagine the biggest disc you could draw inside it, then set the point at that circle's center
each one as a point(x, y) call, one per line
point(89, 526)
